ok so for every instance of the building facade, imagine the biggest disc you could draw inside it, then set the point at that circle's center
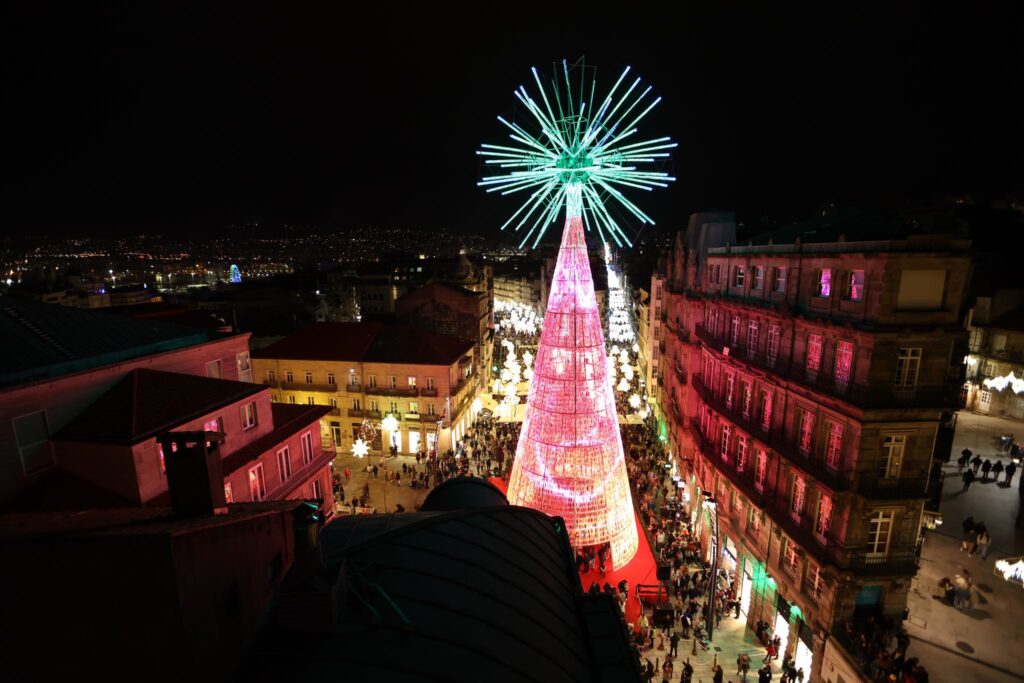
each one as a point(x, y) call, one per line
point(367, 371)
point(995, 364)
point(808, 389)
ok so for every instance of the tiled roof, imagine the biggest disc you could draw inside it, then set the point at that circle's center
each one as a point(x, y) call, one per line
point(58, 491)
point(46, 340)
point(368, 343)
point(288, 419)
point(146, 402)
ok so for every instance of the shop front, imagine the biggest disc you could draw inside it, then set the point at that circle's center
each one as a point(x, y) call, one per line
point(804, 653)
point(780, 629)
point(746, 587)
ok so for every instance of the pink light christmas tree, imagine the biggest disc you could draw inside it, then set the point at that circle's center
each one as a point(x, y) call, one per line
point(569, 460)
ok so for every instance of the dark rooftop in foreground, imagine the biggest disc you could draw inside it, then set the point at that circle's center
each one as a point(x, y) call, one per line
point(481, 594)
point(368, 342)
point(42, 341)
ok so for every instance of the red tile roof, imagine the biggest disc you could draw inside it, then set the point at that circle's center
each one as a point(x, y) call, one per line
point(146, 402)
point(368, 343)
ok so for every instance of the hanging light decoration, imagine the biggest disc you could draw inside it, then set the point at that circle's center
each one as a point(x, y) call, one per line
point(360, 448)
point(634, 401)
point(389, 423)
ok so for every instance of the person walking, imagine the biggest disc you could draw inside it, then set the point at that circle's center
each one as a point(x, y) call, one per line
point(1011, 469)
point(976, 463)
point(968, 477)
point(986, 467)
point(673, 644)
point(997, 470)
point(687, 672)
point(764, 674)
point(718, 675)
point(965, 457)
point(983, 543)
point(742, 667)
point(666, 671)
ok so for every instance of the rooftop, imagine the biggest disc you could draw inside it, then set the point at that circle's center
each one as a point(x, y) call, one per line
point(368, 342)
point(42, 341)
point(1011, 320)
point(288, 419)
point(146, 402)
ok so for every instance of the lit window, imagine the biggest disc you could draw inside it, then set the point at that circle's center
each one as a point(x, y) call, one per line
point(855, 286)
point(244, 367)
point(392, 382)
point(734, 334)
point(799, 496)
point(791, 559)
point(824, 520)
point(806, 431)
point(431, 409)
point(835, 445)
point(213, 425)
point(730, 385)
point(774, 336)
point(741, 453)
point(752, 330)
point(726, 432)
point(746, 398)
point(893, 446)
point(257, 485)
point(160, 453)
point(814, 344)
point(879, 530)
point(815, 582)
point(824, 288)
point(758, 282)
point(760, 467)
point(411, 381)
point(249, 415)
point(306, 441)
point(738, 273)
point(754, 523)
point(844, 364)
point(766, 410)
point(284, 464)
point(228, 496)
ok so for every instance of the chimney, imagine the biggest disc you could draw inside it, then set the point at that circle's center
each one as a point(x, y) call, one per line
point(194, 474)
point(307, 599)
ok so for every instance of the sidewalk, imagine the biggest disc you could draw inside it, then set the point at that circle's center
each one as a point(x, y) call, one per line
point(984, 643)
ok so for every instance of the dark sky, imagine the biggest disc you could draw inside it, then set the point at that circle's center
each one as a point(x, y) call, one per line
point(187, 118)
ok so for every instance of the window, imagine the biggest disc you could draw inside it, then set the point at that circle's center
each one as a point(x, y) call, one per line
point(774, 335)
point(752, 330)
point(730, 385)
point(799, 497)
point(754, 521)
point(806, 431)
point(333, 401)
point(726, 433)
point(374, 406)
point(356, 405)
point(879, 531)
point(766, 410)
point(414, 407)
point(271, 377)
point(855, 285)
point(244, 366)
point(814, 344)
point(249, 415)
point(431, 409)
point(392, 382)
point(760, 467)
point(317, 490)
point(291, 398)
point(394, 407)
point(257, 485)
point(430, 383)
point(834, 448)
point(228, 496)
point(844, 365)
point(306, 442)
point(411, 381)
point(893, 446)
point(310, 400)
point(738, 273)
point(284, 464)
point(823, 288)
point(372, 381)
point(791, 558)
point(213, 369)
point(758, 282)
point(815, 582)
point(741, 453)
point(33, 436)
point(309, 378)
point(778, 280)
point(746, 398)
point(907, 364)
point(330, 378)
point(824, 520)
point(289, 376)
point(734, 332)
point(160, 454)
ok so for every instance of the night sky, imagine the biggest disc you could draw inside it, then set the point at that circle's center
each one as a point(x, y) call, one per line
point(186, 119)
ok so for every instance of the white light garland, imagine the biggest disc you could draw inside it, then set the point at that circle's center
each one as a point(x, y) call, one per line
point(1000, 383)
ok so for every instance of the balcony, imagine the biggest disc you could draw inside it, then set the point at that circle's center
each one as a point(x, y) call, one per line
point(354, 412)
point(893, 488)
point(354, 388)
point(428, 391)
point(740, 480)
point(391, 391)
point(309, 386)
point(412, 417)
point(897, 561)
point(680, 373)
point(679, 331)
point(879, 396)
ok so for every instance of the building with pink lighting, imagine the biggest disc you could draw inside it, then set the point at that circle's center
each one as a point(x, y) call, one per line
point(807, 384)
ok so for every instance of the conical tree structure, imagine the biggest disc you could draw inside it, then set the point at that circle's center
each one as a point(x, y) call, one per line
point(569, 461)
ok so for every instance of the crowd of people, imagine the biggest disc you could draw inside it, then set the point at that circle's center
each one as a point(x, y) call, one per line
point(969, 464)
point(880, 647)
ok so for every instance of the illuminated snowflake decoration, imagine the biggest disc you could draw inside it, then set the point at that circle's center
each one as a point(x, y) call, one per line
point(360, 448)
point(389, 423)
point(578, 155)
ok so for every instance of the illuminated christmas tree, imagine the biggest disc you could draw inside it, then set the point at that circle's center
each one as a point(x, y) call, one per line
point(569, 461)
